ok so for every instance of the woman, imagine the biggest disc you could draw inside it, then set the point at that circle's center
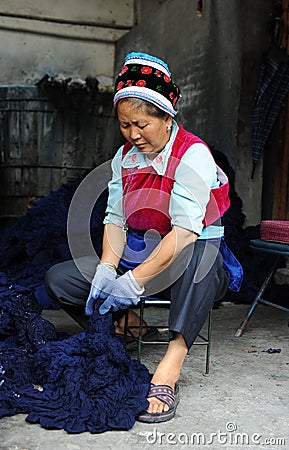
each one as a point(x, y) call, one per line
point(162, 225)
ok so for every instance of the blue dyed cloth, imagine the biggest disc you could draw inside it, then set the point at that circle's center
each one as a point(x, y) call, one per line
point(38, 240)
point(85, 382)
point(232, 267)
point(273, 87)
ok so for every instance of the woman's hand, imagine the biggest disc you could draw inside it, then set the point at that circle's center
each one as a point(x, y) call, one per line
point(102, 279)
point(112, 249)
point(123, 293)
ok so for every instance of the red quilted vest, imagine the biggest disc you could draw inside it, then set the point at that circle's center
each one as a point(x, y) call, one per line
point(147, 195)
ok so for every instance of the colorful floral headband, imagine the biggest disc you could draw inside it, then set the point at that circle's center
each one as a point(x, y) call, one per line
point(147, 77)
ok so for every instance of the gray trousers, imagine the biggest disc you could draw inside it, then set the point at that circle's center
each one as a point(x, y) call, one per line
point(202, 282)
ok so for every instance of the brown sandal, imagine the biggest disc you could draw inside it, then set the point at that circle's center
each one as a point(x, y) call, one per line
point(168, 396)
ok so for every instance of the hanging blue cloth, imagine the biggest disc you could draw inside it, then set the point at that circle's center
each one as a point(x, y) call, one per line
point(273, 88)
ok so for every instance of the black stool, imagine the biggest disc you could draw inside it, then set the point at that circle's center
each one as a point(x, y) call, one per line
point(278, 249)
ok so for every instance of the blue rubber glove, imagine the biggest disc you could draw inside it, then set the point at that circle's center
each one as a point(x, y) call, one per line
point(103, 278)
point(124, 292)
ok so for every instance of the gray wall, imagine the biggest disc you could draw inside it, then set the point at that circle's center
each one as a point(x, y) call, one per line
point(67, 37)
point(208, 57)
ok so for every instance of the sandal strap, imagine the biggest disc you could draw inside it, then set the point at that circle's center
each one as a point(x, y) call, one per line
point(162, 392)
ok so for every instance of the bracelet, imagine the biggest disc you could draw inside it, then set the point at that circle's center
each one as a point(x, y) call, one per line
point(107, 264)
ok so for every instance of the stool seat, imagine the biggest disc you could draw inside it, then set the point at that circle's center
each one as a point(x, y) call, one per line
point(280, 250)
point(277, 248)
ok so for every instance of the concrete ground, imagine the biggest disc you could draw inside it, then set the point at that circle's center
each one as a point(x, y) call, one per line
point(242, 404)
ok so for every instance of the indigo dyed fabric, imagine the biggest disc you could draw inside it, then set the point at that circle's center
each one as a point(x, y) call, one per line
point(232, 267)
point(86, 382)
point(273, 87)
point(38, 240)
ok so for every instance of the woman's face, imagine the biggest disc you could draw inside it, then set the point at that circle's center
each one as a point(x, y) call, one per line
point(148, 133)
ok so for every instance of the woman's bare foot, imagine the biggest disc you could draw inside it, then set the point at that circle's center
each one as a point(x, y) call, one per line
point(168, 371)
point(133, 321)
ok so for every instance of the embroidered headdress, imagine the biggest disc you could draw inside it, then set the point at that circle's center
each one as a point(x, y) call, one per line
point(147, 77)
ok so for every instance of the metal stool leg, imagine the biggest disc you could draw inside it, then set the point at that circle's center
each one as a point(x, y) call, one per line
point(125, 325)
point(205, 340)
point(139, 340)
point(208, 352)
point(243, 325)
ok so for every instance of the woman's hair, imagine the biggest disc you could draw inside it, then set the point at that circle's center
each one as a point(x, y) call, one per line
point(150, 109)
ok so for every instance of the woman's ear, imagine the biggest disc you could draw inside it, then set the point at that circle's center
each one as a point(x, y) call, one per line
point(169, 120)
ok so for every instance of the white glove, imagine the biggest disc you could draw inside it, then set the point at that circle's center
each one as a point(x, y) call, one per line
point(103, 277)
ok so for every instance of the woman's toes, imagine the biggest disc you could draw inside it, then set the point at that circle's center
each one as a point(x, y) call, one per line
point(157, 406)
